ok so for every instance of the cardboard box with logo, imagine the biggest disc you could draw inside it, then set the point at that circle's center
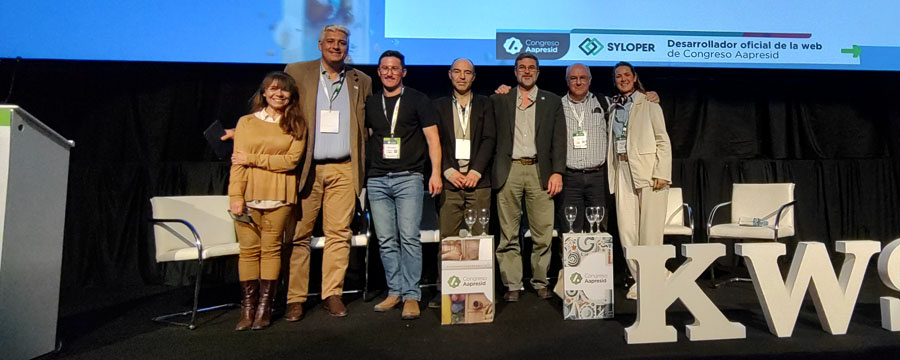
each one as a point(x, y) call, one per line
point(586, 280)
point(467, 280)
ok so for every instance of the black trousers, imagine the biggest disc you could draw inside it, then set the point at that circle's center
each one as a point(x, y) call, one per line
point(581, 189)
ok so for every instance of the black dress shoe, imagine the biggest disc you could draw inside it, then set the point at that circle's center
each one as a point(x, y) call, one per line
point(435, 302)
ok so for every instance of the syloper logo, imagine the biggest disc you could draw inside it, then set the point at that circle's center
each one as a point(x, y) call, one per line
point(454, 281)
point(590, 46)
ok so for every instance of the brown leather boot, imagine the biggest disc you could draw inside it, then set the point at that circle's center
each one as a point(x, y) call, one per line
point(410, 310)
point(250, 290)
point(264, 311)
point(389, 303)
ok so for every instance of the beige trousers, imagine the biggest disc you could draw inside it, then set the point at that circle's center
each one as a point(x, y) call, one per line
point(641, 212)
point(260, 243)
point(333, 193)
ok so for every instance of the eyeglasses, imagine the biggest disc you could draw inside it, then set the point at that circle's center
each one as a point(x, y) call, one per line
point(384, 70)
point(523, 68)
point(457, 72)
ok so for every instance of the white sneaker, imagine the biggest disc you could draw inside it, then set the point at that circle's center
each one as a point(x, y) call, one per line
point(632, 293)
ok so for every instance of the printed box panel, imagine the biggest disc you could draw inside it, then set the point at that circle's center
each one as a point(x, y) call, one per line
point(588, 276)
point(467, 280)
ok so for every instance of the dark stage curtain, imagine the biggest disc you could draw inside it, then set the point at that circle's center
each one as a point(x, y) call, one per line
point(137, 128)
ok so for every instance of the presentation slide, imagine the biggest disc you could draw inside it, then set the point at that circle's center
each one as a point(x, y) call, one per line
point(798, 34)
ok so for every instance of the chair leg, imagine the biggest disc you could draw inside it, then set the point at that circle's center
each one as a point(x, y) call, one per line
point(196, 295)
point(191, 325)
point(731, 280)
point(366, 272)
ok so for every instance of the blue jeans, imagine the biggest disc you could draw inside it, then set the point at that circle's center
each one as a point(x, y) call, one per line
point(396, 205)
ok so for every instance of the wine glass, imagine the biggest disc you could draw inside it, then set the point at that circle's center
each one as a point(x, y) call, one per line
point(483, 218)
point(590, 214)
point(600, 211)
point(470, 219)
point(571, 214)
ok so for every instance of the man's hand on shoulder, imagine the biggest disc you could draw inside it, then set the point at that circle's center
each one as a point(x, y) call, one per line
point(503, 89)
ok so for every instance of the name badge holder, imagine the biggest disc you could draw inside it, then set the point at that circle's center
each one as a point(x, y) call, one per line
point(579, 139)
point(391, 148)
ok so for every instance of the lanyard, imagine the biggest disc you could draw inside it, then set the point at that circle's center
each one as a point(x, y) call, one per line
point(464, 114)
point(396, 110)
point(337, 88)
point(579, 117)
point(624, 124)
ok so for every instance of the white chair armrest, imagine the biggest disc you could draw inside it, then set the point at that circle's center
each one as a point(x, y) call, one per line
point(690, 215)
point(778, 214)
point(712, 215)
point(197, 243)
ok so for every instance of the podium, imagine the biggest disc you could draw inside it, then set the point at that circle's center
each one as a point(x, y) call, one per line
point(34, 173)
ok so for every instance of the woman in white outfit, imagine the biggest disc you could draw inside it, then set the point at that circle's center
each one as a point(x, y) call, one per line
point(640, 158)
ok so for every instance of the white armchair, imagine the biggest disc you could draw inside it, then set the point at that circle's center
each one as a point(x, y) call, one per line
point(676, 212)
point(773, 203)
point(192, 228)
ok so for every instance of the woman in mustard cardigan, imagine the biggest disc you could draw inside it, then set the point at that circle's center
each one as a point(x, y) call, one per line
point(268, 144)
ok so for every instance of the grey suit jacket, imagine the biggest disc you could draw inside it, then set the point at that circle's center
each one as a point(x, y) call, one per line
point(306, 74)
point(550, 139)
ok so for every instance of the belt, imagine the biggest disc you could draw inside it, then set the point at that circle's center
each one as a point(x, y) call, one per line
point(586, 170)
point(526, 161)
point(623, 157)
point(342, 160)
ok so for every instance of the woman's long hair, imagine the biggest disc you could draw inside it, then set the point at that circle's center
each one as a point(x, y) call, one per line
point(637, 80)
point(292, 121)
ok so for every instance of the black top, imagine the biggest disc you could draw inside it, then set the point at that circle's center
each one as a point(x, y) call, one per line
point(416, 113)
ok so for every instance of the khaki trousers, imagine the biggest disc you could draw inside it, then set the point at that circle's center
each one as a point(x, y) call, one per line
point(641, 212)
point(260, 243)
point(333, 193)
point(524, 181)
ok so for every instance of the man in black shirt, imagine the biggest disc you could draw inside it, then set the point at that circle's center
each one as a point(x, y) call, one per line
point(403, 124)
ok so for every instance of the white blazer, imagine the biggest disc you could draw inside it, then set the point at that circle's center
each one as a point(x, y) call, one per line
point(647, 145)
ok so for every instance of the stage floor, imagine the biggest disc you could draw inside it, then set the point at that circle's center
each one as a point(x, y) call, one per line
point(530, 329)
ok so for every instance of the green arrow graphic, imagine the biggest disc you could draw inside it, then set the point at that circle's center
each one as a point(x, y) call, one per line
point(855, 50)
